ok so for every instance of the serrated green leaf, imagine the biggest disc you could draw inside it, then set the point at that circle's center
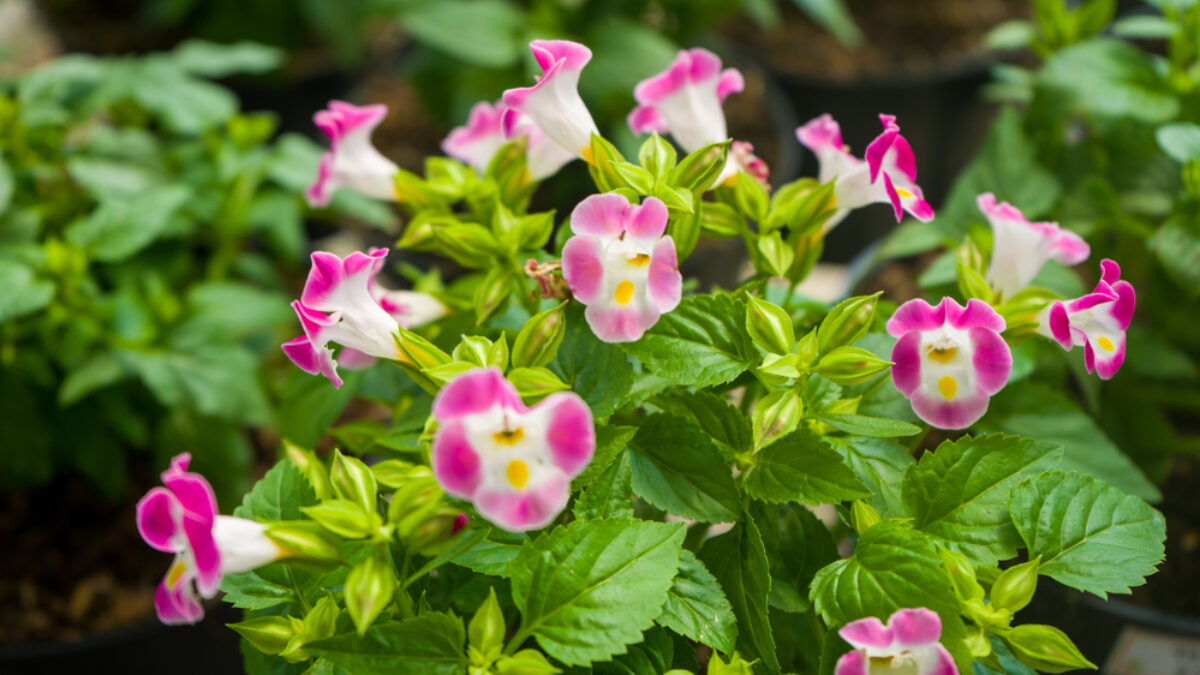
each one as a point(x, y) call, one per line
point(874, 427)
point(677, 468)
point(610, 496)
point(959, 493)
point(587, 590)
point(696, 607)
point(610, 441)
point(492, 555)
point(430, 644)
point(738, 560)
point(880, 464)
point(802, 467)
point(700, 343)
point(723, 423)
point(598, 371)
point(798, 545)
point(1090, 535)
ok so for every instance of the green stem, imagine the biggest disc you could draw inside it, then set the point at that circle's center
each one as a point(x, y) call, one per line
point(515, 643)
point(296, 587)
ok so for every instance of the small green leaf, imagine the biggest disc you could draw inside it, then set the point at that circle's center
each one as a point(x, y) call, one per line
point(802, 467)
point(873, 427)
point(430, 644)
point(610, 496)
point(696, 607)
point(598, 371)
point(677, 468)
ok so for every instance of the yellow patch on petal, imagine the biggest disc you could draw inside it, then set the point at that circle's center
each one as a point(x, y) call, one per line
point(948, 386)
point(175, 573)
point(942, 355)
point(639, 260)
point(517, 473)
point(509, 437)
point(586, 154)
point(903, 193)
point(1106, 344)
point(624, 293)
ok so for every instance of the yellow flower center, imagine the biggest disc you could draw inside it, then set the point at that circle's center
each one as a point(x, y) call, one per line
point(948, 386)
point(903, 193)
point(175, 573)
point(639, 260)
point(517, 473)
point(624, 292)
point(942, 355)
point(509, 437)
point(1105, 344)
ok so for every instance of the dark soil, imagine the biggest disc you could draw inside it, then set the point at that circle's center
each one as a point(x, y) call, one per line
point(1174, 587)
point(900, 37)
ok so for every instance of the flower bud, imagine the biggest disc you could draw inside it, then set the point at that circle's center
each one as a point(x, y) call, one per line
point(534, 230)
point(420, 352)
point(369, 589)
point(435, 534)
point(775, 415)
point(305, 539)
point(525, 662)
point(352, 480)
point(657, 156)
point(534, 384)
point(473, 349)
point(750, 197)
point(778, 370)
point(312, 468)
point(418, 234)
point(776, 256)
point(962, 574)
point(806, 349)
point(1045, 648)
point(769, 325)
point(600, 156)
point(987, 615)
point(492, 294)
point(806, 252)
point(537, 343)
point(736, 666)
point(847, 322)
point(700, 169)
point(486, 629)
point(851, 365)
point(268, 634)
point(863, 516)
point(341, 517)
point(1015, 586)
point(321, 620)
point(683, 228)
point(442, 374)
point(468, 244)
point(978, 643)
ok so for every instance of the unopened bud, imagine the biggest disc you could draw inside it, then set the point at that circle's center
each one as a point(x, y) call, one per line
point(341, 517)
point(443, 374)
point(369, 588)
point(525, 662)
point(962, 574)
point(736, 666)
point(468, 244)
point(486, 629)
point(851, 365)
point(352, 480)
point(305, 539)
point(1015, 586)
point(778, 370)
point(321, 620)
point(537, 343)
point(534, 384)
point(312, 468)
point(776, 256)
point(769, 326)
point(807, 350)
point(1045, 648)
point(418, 351)
point(473, 349)
point(268, 634)
point(978, 643)
point(775, 415)
point(847, 322)
point(700, 169)
point(863, 516)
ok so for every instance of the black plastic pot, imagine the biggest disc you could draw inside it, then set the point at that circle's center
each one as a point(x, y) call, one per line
point(147, 647)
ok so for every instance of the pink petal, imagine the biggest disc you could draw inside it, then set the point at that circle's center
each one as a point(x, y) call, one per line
point(1110, 271)
point(620, 324)
point(919, 208)
point(1060, 325)
point(866, 633)
point(157, 514)
point(311, 360)
point(319, 193)
point(473, 392)
point(645, 119)
point(178, 466)
point(352, 359)
point(915, 627)
point(529, 510)
point(976, 313)
point(195, 496)
point(992, 359)
point(177, 606)
point(602, 215)
point(906, 357)
point(549, 52)
point(582, 267)
point(960, 413)
point(664, 283)
point(204, 554)
point(915, 315)
point(821, 132)
point(570, 435)
point(731, 82)
point(945, 663)
point(455, 463)
point(653, 90)
point(704, 64)
point(1069, 248)
point(851, 663)
point(1122, 309)
point(648, 221)
point(894, 196)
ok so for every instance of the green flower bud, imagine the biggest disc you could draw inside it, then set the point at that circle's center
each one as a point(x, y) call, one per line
point(469, 244)
point(988, 616)
point(807, 350)
point(441, 375)
point(851, 365)
point(369, 589)
point(473, 350)
point(492, 294)
point(537, 343)
point(863, 516)
point(700, 169)
point(684, 228)
point(769, 326)
point(807, 250)
point(340, 516)
point(312, 468)
point(634, 177)
point(775, 415)
point(778, 370)
point(435, 535)
point(305, 539)
point(486, 629)
point(419, 352)
point(391, 473)
point(847, 322)
point(972, 284)
point(534, 384)
point(1045, 648)
point(1015, 586)
point(321, 620)
point(720, 220)
point(736, 666)
point(776, 257)
point(418, 235)
point(352, 480)
point(657, 156)
point(962, 573)
point(843, 406)
point(525, 662)
point(534, 230)
point(750, 197)
point(268, 634)
point(978, 643)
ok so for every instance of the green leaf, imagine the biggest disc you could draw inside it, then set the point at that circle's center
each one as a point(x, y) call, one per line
point(959, 493)
point(23, 292)
point(701, 343)
point(211, 379)
point(95, 373)
point(874, 427)
point(493, 555)
point(723, 423)
point(738, 560)
point(484, 33)
point(7, 185)
point(1177, 246)
point(880, 465)
point(185, 104)
point(611, 496)
point(1036, 410)
point(121, 227)
point(587, 590)
point(430, 644)
point(610, 441)
point(696, 607)
point(1180, 140)
point(1090, 535)
point(799, 545)
point(893, 567)
point(677, 468)
point(598, 371)
point(802, 467)
point(216, 60)
point(1111, 78)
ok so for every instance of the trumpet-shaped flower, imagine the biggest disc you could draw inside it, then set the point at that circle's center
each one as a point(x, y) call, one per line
point(554, 103)
point(908, 643)
point(949, 360)
point(1021, 248)
point(621, 266)
point(888, 175)
point(685, 101)
point(340, 303)
point(484, 134)
point(1097, 321)
point(513, 462)
point(181, 518)
point(352, 162)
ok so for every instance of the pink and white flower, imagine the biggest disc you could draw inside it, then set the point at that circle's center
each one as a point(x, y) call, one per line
point(685, 101)
point(513, 462)
point(949, 360)
point(908, 643)
point(484, 134)
point(554, 103)
point(352, 162)
point(620, 264)
point(182, 519)
point(888, 175)
point(342, 303)
point(1097, 321)
point(1021, 248)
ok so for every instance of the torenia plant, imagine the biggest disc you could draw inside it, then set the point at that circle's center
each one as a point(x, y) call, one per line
point(590, 468)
